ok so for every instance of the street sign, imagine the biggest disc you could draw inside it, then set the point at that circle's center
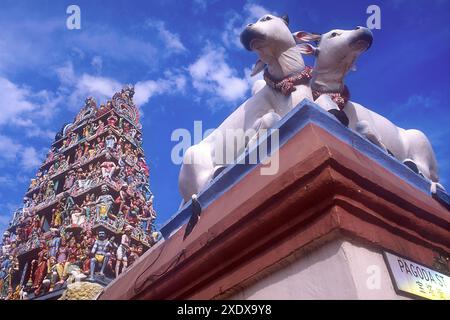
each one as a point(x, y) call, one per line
point(416, 279)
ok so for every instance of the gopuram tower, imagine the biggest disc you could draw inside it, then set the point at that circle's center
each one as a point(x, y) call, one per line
point(88, 214)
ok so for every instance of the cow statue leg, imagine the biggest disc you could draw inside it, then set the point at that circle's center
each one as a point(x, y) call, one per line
point(197, 170)
point(364, 128)
point(266, 122)
point(421, 158)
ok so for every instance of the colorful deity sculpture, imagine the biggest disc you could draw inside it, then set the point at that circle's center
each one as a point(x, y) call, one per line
point(103, 204)
point(112, 120)
point(50, 191)
point(57, 217)
point(100, 252)
point(99, 145)
point(124, 198)
point(100, 127)
point(110, 141)
point(5, 263)
point(54, 243)
point(70, 180)
point(39, 270)
point(6, 243)
point(86, 206)
point(78, 217)
point(102, 110)
point(108, 168)
point(55, 273)
point(87, 131)
point(123, 250)
point(68, 205)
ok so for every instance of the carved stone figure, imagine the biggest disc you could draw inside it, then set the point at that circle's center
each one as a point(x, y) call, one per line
point(110, 141)
point(272, 40)
point(123, 250)
point(112, 120)
point(103, 204)
point(336, 53)
point(50, 191)
point(101, 254)
point(57, 218)
point(87, 207)
point(70, 180)
point(68, 205)
point(108, 168)
point(54, 243)
point(39, 270)
point(78, 217)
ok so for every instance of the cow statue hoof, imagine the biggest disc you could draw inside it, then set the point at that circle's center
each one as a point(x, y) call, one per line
point(412, 165)
point(434, 186)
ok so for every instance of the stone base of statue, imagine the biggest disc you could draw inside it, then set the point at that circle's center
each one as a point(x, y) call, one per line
point(339, 219)
point(81, 291)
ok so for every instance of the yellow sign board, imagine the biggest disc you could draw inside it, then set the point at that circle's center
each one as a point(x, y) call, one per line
point(417, 279)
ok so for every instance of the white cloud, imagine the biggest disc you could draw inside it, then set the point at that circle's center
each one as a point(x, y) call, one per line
point(18, 46)
point(26, 113)
point(36, 132)
point(13, 152)
point(415, 100)
point(427, 104)
point(211, 73)
point(201, 4)
point(32, 129)
point(115, 46)
point(97, 63)
point(48, 105)
point(255, 11)
point(7, 181)
point(19, 49)
point(23, 108)
point(144, 90)
point(85, 84)
point(8, 148)
point(66, 74)
point(14, 100)
point(98, 86)
point(76, 88)
point(30, 159)
point(11, 181)
point(171, 40)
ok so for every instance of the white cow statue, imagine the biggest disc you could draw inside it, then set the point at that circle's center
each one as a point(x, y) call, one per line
point(284, 67)
point(335, 56)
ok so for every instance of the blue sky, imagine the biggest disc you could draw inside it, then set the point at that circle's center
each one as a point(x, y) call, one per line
point(186, 62)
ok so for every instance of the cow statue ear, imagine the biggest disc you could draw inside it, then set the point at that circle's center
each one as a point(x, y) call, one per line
point(303, 36)
point(308, 49)
point(259, 66)
point(285, 17)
